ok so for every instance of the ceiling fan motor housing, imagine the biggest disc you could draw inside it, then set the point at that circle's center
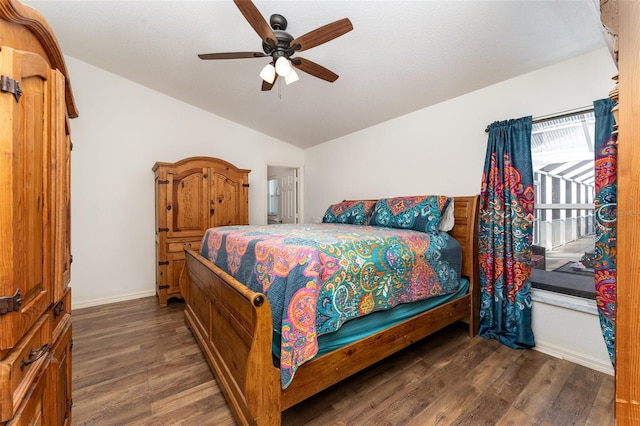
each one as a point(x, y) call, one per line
point(279, 25)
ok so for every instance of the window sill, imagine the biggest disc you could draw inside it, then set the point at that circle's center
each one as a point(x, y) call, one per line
point(573, 303)
point(559, 282)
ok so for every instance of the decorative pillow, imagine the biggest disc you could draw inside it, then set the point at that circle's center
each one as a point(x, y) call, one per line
point(420, 213)
point(448, 218)
point(368, 208)
point(353, 212)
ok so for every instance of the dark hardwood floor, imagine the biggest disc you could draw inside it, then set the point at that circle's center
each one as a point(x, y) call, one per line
point(135, 363)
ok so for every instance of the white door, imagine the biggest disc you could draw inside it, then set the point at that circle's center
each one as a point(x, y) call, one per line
point(288, 196)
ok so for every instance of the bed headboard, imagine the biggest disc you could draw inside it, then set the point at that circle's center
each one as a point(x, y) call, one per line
point(465, 231)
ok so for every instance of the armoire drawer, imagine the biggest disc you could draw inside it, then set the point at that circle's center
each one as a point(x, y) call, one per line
point(21, 366)
point(33, 409)
point(180, 246)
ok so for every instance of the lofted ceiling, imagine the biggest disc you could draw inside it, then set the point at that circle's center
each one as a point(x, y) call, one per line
point(400, 57)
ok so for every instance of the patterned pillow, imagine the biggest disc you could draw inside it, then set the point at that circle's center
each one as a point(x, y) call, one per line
point(353, 212)
point(420, 213)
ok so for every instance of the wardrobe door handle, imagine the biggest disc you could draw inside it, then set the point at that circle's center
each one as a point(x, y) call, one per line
point(34, 355)
point(58, 309)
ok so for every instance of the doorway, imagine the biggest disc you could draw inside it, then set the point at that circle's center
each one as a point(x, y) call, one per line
point(283, 194)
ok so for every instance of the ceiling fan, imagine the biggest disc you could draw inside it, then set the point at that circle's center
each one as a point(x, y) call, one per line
point(281, 46)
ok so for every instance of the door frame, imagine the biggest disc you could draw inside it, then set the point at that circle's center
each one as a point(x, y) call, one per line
point(299, 194)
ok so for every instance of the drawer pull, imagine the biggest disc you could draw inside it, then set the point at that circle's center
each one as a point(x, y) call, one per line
point(58, 309)
point(34, 355)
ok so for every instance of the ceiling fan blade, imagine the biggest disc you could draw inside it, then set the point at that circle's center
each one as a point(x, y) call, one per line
point(231, 55)
point(266, 86)
point(322, 34)
point(257, 21)
point(314, 69)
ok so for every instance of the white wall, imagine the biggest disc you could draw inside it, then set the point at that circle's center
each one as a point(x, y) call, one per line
point(441, 149)
point(122, 130)
point(569, 327)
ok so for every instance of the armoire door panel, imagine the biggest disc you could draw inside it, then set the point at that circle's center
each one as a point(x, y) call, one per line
point(68, 258)
point(188, 203)
point(226, 197)
point(59, 186)
point(32, 214)
point(24, 190)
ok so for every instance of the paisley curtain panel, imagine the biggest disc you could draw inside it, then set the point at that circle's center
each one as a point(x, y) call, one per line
point(606, 154)
point(506, 233)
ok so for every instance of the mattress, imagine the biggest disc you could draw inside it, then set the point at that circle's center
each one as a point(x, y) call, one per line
point(362, 327)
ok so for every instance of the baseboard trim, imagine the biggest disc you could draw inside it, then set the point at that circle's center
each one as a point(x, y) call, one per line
point(575, 357)
point(107, 300)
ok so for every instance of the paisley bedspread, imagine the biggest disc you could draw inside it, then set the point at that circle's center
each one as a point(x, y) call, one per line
point(318, 276)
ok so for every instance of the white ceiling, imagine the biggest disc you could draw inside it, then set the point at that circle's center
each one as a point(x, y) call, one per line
point(401, 56)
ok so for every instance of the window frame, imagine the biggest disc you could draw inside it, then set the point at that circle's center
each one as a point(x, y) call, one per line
point(561, 282)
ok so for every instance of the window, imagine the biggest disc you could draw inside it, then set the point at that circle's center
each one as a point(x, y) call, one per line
point(272, 194)
point(564, 224)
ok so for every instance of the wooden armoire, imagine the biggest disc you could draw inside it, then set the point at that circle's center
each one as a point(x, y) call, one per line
point(192, 195)
point(35, 259)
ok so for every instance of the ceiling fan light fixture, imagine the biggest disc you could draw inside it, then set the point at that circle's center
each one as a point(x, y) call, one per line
point(283, 66)
point(268, 73)
point(291, 77)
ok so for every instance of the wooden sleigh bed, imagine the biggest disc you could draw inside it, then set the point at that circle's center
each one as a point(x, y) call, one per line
point(233, 326)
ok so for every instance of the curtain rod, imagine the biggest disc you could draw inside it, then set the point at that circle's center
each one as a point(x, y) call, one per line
point(557, 115)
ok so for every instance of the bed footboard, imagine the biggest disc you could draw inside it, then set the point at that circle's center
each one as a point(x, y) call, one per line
point(232, 325)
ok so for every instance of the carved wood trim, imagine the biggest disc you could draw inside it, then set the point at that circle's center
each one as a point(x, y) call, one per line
point(15, 12)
